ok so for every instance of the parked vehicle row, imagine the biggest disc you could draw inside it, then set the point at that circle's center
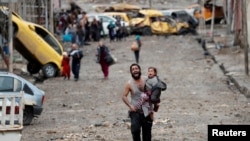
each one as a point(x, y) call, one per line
point(151, 21)
point(180, 21)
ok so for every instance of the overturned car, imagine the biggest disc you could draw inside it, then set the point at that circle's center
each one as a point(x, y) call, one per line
point(35, 43)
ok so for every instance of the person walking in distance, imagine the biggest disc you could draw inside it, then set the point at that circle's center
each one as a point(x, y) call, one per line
point(111, 29)
point(139, 122)
point(137, 52)
point(101, 53)
point(76, 56)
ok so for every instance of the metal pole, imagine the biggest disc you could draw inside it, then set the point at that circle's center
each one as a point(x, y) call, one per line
point(10, 31)
point(51, 17)
point(212, 22)
point(202, 25)
point(244, 30)
point(229, 16)
point(46, 12)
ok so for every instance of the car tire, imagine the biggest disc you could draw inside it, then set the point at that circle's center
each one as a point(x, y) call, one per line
point(33, 67)
point(27, 115)
point(147, 31)
point(49, 70)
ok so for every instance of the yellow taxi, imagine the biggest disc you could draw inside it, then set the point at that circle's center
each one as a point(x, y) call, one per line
point(36, 44)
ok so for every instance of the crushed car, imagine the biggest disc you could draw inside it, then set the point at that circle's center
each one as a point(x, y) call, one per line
point(183, 15)
point(150, 21)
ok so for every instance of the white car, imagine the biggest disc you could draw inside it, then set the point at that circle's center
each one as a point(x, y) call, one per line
point(105, 20)
point(11, 83)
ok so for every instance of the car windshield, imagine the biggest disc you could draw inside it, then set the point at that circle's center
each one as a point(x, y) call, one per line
point(49, 39)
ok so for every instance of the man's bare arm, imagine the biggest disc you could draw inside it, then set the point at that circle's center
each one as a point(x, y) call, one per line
point(126, 91)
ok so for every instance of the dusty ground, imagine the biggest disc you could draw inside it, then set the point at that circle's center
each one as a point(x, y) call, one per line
point(92, 110)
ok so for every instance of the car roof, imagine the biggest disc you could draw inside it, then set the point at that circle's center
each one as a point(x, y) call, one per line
point(151, 12)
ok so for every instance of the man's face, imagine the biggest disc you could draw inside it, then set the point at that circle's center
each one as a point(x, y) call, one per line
point(135, 72)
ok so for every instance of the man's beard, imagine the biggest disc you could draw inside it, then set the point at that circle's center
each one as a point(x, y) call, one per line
point(137, 76)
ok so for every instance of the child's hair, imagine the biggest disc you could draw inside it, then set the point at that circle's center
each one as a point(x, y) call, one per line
point(153, 68)
point(65, 54)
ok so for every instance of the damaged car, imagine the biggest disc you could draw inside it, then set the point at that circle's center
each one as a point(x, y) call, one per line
point(183, 15)
point(149, 21)
point(35, 43)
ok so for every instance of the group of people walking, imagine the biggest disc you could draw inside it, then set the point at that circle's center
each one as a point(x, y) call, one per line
point(75, 27)
point(141, 107)
point(77, 54)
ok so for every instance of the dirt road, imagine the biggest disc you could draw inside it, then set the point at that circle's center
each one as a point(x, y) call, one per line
point(92, 110)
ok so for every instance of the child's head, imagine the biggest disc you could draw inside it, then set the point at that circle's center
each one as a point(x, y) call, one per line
point(65, 54)
point(74, 46)
point(152, 71)
point(100, 43)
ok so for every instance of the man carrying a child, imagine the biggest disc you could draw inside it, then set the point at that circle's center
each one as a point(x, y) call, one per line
point(140, 106)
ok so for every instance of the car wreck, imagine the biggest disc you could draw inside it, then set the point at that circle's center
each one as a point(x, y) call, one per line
point(149, 21)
